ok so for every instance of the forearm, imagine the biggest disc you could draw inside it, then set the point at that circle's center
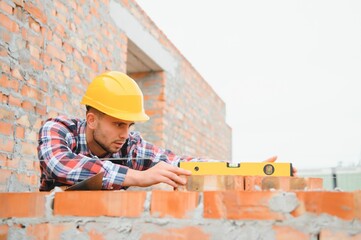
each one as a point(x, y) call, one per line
point(132, 178)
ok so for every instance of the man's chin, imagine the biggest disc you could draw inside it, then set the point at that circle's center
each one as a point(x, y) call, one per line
point(116, 149)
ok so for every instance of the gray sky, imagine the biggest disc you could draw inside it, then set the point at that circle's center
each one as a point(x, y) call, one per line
point(289, 72)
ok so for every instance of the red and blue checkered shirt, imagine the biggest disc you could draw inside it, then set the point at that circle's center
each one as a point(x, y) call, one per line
point(65, 158)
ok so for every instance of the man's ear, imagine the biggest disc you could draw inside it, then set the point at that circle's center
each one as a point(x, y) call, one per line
point(92, 120)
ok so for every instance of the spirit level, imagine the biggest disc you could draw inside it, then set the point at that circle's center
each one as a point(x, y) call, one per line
point(244, 168)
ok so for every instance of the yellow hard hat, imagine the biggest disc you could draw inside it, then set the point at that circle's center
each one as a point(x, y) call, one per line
point(117, 95)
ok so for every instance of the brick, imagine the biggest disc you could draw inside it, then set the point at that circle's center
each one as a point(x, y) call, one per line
point(4, 229)
point(29, 204)
point(185, 233)
point(9, 163)
point(34, 25)
point(6, 128)
point(28, 148)
point(35, 12)
point(56, 52)
point(314, 183)
point(32, 38)
point(287, 233)
point(281, 183)
point(27, 179)
point(27, 105)
point(49, 230)
point(14, 101)
point(214, 183)
point(239, 205)
point(338, 234)
point(173, 204)
point(357, 197)
point(7, 145)
point(8, 23)
point(20, 132)
point(4, 176)
point(4, 98)
point(6, 7)
point(108, 203)
point(338, 204)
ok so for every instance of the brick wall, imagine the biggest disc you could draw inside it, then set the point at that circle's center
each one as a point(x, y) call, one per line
point(223, 212)
point(49, 52)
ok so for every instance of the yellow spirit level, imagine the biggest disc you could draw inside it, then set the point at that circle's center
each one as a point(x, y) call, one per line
point(244, 168)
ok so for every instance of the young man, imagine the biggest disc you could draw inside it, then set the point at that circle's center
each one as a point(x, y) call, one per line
point(72, 150)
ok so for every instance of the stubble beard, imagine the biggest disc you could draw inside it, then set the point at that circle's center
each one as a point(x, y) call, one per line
point(101, 144)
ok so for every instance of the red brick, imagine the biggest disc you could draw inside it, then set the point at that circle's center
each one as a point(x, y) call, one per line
point(40, 109)
point(239, 205)
point(338, 234)
point(34, 39)
point(357, 196)
point(214, 183)
point(20, 132)
point(27, 105)
point(35, 12)
point(281, 183)
point(46, 58)
point(184, 233)
point(15, 72)
point(6, 7)
point(287, 233)
point(4, 98)
point(30, 204)
point(48, 230)
point(34, 24)
point(8, 162)
point(173, 204)
point(28, 148)
point(4, 229)
point(338, 204)
point(53, 51)
point(8, 83)
point(8, 23)
point(14, 101)
point(27, 180)
point(37, 65)
point(4, 175)
point(99, 203)
point(7, 145)
point(6, 128)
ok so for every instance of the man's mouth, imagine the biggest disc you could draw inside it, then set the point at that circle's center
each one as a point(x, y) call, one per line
point(119, 143)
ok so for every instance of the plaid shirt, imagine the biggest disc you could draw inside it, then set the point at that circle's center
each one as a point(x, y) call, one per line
point(65, 158)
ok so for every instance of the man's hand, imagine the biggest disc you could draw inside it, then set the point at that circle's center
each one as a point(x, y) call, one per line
point(274, 158)
point(271, 159)
point(160, 173)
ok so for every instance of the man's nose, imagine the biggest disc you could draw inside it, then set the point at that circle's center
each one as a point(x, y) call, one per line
point(124, 132)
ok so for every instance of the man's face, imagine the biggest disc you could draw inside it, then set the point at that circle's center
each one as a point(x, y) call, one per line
point(111, 133)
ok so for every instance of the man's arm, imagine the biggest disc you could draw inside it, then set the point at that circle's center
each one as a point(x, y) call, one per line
point(160, 173)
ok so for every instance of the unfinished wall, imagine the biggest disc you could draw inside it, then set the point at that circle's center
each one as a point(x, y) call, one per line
point(300, 215)
point(50, 51)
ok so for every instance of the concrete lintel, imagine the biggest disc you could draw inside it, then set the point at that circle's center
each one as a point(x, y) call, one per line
point(140, 36)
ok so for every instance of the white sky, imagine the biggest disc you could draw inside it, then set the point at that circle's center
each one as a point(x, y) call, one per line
point(289, 72)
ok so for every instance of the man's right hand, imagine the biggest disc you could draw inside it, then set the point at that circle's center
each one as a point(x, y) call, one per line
point(160, 173)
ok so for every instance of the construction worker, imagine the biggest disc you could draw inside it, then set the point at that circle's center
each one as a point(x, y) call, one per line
point(72, 150)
